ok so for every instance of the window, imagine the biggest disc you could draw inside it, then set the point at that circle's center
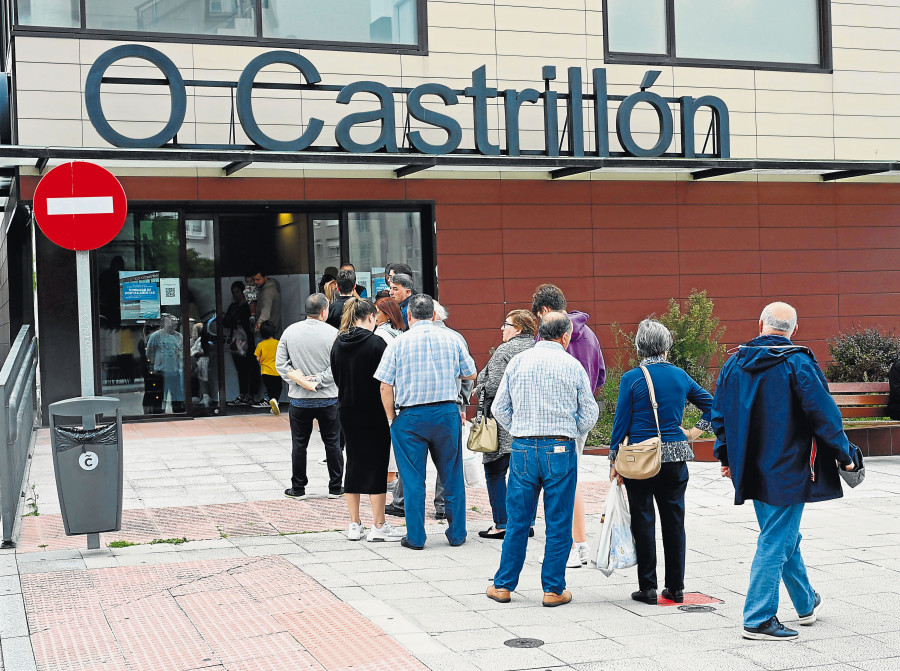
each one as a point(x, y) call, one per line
point(395, 25)
point(770, 34)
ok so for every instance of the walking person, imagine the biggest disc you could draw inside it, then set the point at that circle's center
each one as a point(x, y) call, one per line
point(636, 419)
point(545, 401)
point(237, 318)
point(771, 401)
point(265, 355)
point(354, 359)
point(586, 349)
point(419, 374)
point(303, 359)
point(518, 331)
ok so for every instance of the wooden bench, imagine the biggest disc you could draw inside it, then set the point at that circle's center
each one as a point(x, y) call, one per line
point(860, 399)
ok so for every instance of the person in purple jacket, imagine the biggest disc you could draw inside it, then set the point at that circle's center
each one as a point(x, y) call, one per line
point(585, 347)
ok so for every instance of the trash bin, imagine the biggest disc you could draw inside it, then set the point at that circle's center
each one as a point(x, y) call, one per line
point(87, 460)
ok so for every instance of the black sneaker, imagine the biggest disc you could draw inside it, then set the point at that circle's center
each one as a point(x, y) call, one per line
point(240, 400)
point(440, 515)
point(770, 630)
point(647, 596)
point(336, 494)
point(811, 617)
point(405, 543)
point(396, 511)
point(299, 493)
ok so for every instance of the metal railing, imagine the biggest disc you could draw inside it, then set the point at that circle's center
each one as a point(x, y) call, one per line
point(18, 409)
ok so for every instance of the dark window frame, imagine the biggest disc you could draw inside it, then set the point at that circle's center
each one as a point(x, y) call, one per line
point(259, 40)
point(825, 64)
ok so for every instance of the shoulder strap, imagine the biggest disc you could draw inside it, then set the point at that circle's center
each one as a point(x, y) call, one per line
point(652, 399)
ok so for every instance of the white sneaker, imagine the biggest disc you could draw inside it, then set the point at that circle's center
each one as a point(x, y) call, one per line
point(574, 560)
point(385, 533)
point(355, 531)
point(584, 551)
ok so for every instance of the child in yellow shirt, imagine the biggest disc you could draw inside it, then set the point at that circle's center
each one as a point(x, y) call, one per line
point(265, 354)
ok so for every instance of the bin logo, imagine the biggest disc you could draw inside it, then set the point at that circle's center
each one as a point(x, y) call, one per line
point(88, 461)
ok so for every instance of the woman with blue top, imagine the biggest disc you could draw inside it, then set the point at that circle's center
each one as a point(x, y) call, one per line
point(634, 419)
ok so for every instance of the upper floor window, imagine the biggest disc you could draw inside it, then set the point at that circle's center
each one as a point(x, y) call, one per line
point(772, 34)
point(396, 25)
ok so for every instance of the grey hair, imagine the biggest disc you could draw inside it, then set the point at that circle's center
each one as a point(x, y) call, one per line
point(554, 326)
point(403, 280)
point(440, 312)
point(780, 325)
point(652, 339)
point(421, 306)
point(315, 304)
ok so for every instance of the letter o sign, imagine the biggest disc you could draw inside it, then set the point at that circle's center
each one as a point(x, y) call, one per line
point(88, 461)
point(176, 90)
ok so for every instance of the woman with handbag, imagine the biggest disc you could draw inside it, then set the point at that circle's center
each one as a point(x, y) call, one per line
point(518, 330)
point(648, 453)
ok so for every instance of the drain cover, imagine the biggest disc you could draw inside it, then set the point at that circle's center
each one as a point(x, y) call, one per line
point(697, 609)
point(524, 643)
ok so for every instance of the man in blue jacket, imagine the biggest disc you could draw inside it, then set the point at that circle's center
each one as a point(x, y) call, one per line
point(771, 401)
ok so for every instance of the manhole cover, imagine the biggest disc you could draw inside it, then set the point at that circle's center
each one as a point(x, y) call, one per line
point(697, 609)
point(524, 643)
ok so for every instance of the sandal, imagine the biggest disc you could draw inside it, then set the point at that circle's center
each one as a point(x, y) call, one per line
point(493, 533)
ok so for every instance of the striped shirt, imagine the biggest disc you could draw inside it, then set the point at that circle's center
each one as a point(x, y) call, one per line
point(424, 365)
point(545, 392)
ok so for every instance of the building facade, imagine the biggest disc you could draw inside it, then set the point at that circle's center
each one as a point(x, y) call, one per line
point(629, 151)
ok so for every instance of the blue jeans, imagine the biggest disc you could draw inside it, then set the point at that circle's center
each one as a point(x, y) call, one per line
point(495, 477)
point(535, 464)
point(416, 432)
point(777, 558)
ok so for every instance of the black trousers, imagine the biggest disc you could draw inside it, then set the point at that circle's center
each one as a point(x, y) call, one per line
point(330, 429)
point(247, 369)
point(273, 386)
point(667, 488)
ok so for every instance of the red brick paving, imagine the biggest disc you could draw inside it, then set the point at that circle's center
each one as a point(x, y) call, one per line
point(230, 614)
point(258, 518)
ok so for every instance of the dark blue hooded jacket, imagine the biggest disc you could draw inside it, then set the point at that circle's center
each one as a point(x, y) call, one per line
point(771, 401)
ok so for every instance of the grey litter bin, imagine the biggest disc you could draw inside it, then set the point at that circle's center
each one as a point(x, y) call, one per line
point(87, 459)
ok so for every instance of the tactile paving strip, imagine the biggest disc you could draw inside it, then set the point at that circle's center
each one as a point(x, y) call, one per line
point(690, 599)
point(229, 614)
point(262, 518)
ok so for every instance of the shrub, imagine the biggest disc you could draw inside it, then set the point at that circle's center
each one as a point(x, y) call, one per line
point(862, 355)
point(696, 334)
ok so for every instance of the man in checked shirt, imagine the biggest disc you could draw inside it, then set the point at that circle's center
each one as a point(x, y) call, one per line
point(545, 401)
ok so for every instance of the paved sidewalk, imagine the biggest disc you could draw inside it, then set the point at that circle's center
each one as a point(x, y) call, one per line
point(268, 589)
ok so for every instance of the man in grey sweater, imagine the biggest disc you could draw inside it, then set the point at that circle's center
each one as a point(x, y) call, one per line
point(303, 359)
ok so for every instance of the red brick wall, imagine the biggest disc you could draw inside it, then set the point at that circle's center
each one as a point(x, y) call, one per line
point(621, 249)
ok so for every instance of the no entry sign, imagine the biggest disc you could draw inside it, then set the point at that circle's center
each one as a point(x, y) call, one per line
point(80, 205)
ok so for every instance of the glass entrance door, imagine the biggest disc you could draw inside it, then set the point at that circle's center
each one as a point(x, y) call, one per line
point(203, 305)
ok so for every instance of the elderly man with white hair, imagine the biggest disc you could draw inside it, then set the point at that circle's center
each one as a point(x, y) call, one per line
point(771, 401)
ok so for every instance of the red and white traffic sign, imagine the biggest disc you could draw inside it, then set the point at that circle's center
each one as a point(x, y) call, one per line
point(80, 205)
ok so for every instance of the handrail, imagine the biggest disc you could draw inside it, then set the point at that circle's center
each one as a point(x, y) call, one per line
point(18, 411)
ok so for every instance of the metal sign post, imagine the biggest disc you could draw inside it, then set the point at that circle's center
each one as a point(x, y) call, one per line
point(85, 330)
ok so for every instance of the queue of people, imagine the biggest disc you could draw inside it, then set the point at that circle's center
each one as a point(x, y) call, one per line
point(397, 380)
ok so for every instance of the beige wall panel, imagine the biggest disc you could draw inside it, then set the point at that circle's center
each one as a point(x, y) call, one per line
point(867, 60)
point(795, 147)
point(213, 109)
point(595, 51)
point(793, 102)
point(46, 50)
point(229, 57)
point(849, 37)
point(461, 40)
point(862, 149)
point(800, 125)
point(217, 133)
point(142, 107)
point(593, 23)
point(460, 15)
point(626, 79)
point(49, 105)
point(743, 146)
point(48, 77)
point(355, 65)
point(50, 132)
point(549, 45)
point(689, 78)
point(874, 104)
point(438, 66)
point(866, 126)
point(873, 15)
point(520, 72)
point(540, 19)
point(737, 100)
point(180, 54)
point(792, 81)
point(560, 4)
point(91, 138)
point(866, 82)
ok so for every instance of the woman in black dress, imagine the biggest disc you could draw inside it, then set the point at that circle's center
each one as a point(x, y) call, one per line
point(354, 358)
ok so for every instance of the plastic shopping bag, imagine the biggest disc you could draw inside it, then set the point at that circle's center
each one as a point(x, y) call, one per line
point(473, 468)
point(614, 546)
